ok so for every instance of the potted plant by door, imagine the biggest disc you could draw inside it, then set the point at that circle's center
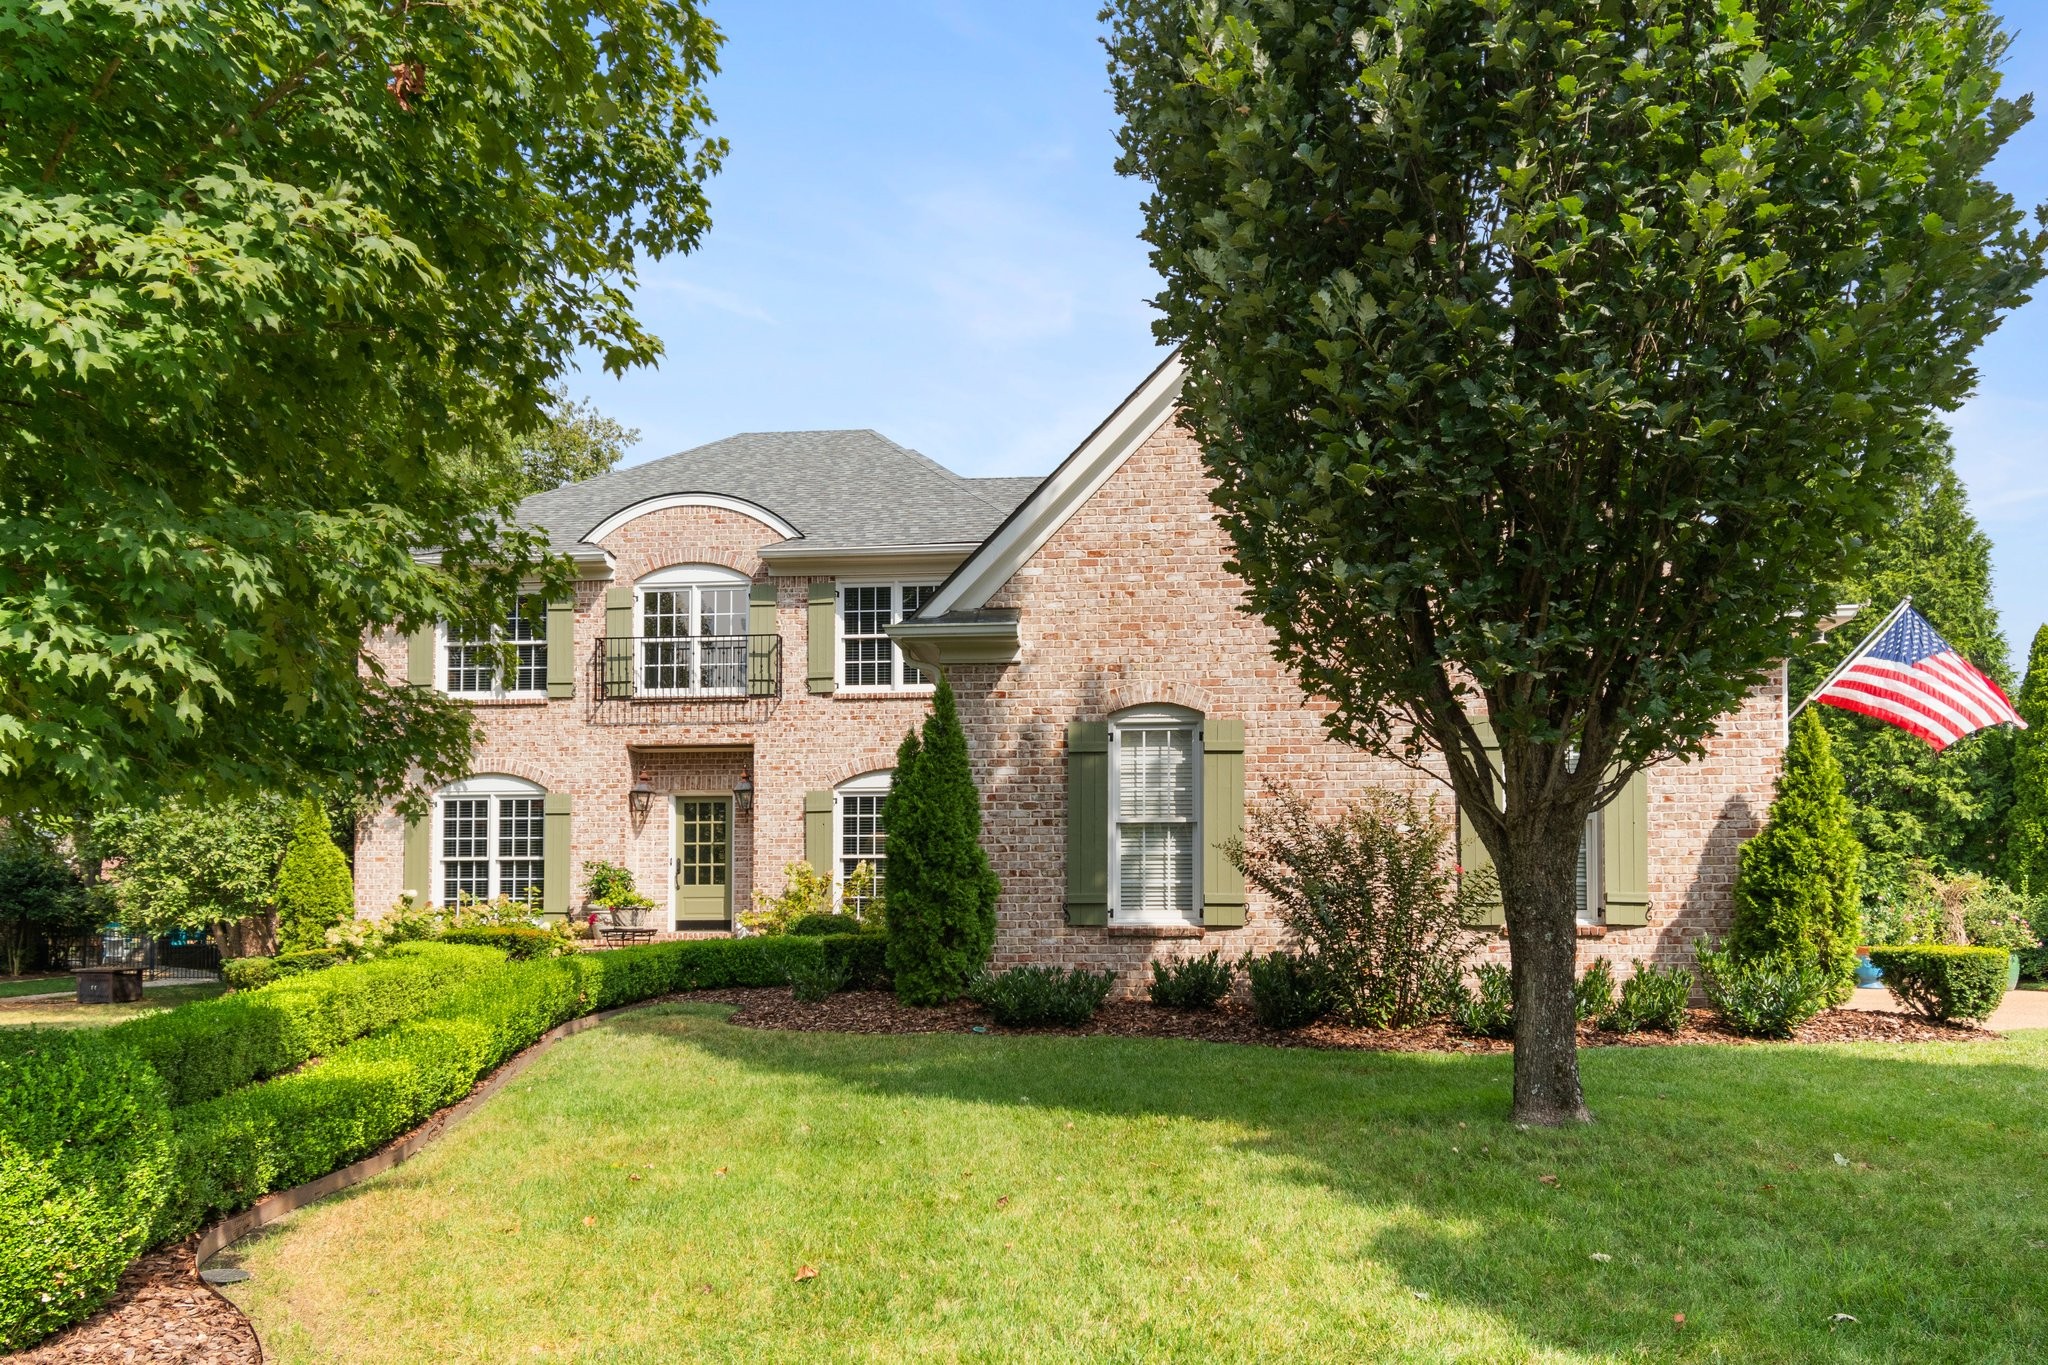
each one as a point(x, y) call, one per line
point(610, 892)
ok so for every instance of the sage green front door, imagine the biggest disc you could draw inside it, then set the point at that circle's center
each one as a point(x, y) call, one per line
point(703, 861)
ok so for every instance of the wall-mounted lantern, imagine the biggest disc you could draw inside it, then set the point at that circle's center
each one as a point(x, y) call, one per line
point(641, 797)
point(743, 794)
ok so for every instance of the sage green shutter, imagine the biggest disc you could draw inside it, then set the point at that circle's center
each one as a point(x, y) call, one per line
point(419, 657)
point(1472, 853)
point(1088, 823)
point(761, 633)
point(1625, 856)
point(823, 632)
point(554, 847)
point(561, 649)
point(818, 831)
point(419, 860)
point(1222, 822)
point(618, 642)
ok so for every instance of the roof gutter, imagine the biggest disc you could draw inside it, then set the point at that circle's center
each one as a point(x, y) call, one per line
point(988, 636)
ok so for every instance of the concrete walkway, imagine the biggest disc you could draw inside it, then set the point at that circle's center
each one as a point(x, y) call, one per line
point(2019, 1009)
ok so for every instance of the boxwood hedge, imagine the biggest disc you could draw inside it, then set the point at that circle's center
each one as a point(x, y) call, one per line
point(1942, 981)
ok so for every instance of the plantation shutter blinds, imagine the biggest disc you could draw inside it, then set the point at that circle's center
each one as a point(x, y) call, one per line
point(419, 860)
point(761, 631)
point(419, 657)
point(1625, 856)
point(1155, 821)
point(1472, 855)
point(1222, 822)
point(554, 849)
point(561, 650)
point(822, 634)
point(618, 642)
point(1088, 823)
point(818, 831)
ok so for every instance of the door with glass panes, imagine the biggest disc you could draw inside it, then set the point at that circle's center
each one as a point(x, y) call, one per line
point(703, 862)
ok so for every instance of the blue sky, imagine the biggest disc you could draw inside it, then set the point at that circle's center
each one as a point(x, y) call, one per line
point(918, 230)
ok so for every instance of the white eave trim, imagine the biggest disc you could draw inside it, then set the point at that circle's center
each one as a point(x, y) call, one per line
point(669, 501)
point(986, 638)
point(586, 557)
point(795, 557)
point(1062, 494)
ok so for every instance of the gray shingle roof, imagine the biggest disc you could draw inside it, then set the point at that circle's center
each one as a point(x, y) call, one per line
point(840, 489)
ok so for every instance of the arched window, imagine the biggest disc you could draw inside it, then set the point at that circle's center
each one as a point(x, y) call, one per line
point(693, 631)
point(1155, 813)
point(489, 839)
point(858, 835)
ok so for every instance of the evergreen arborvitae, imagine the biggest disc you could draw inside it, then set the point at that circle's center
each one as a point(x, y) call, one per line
point(1795, 892)
point(939, 891)
point(314, 890)
point(2026, 829)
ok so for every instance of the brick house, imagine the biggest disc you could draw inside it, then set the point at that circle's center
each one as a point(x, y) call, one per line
point(756, 623)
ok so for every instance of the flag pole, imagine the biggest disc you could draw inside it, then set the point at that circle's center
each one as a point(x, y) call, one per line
point(1853, 655)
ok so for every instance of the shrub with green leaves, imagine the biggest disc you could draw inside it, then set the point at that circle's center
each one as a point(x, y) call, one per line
point(1487, 1008)
point(85, 1166)
point(517, 941)
point(940, 891)
point(1653, 998)
point(1593, 996)
point(1796, 898)
point(819, 925)
point(314, 890)
point(812, 982)
point(1943, 981)
point(1765, 997)
point(1192, 983)
point(1287, 992)
point(253, 973)
point(1029, 997)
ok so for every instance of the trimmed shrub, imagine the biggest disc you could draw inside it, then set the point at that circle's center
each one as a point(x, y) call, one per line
point(2033, 964)
point(817, 926)
point(253, 973)
point(1488, 1010)
point(1763, 997)
point(1193, 983)
point(1654, 998)
point(1372, 898)
point(85, 1166)
point(314, 891)
point(940, 891)
point(1025, 997)
point(866, 957)
point(1593, 996)
point(210, 1047)
point(1944, 982)
point(812, 982)
point(1796, 900)
point(519, 942)
point(1286, 991)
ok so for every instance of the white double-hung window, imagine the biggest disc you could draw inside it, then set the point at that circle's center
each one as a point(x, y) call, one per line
point(470, 666)
point(489, 837)
point(1155, 815)
point(858, 832)
point(693, 632)
point(868, 659)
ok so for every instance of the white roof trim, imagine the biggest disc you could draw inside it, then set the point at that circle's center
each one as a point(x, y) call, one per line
point(1062, 494)
point(669, 501)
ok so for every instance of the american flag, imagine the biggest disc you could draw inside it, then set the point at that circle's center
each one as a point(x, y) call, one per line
point(1906, 675)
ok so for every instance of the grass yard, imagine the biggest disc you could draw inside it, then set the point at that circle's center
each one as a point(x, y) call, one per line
point(68, 1013)
point(651, 1190)
point(35, 985)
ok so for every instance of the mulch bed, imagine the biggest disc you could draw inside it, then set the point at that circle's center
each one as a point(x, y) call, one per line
point(879, 1012)
point(161, 1314)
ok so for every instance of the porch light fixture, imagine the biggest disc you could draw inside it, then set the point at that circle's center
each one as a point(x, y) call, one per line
point(743, 794)
point(641, 797)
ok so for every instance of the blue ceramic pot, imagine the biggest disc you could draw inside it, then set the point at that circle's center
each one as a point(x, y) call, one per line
point(1868, 973)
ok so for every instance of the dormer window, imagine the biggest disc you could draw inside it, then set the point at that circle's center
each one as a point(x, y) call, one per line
point(470, 666)
point(869, 661)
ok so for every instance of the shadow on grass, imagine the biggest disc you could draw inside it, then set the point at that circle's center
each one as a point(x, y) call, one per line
point(1758, 1191)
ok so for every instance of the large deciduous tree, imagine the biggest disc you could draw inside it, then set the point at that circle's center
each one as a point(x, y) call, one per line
point(1551, 362)
point(268, 273)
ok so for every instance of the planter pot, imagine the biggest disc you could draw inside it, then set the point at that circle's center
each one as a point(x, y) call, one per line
point(2012, 970)
point(1868, 973)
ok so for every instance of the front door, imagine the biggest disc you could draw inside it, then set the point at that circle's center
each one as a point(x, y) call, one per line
point(703, 861)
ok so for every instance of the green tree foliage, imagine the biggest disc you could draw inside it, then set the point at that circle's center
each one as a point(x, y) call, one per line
point(573, 442)
point(1796, 898)
point(2026, 828)
point(1550, 363)
point(193, 864)
point(42, 894)
point(267, 272)
point(314, 890)
point(940, 891)
point(1913, 806)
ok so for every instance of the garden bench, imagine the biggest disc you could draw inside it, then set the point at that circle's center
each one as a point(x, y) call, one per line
point(626, 933)
point(109, 985)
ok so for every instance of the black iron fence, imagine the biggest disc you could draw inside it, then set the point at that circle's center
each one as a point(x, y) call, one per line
point(684, 677)
point(180, 955)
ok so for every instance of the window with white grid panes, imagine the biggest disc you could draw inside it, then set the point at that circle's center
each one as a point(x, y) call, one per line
point(868, 658)
point(491, 845)
point(1155, 818)
point(693, 633)
point(861, 840)
point(470, 665)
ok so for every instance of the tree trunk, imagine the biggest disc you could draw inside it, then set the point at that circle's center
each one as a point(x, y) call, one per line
point(1540, 899)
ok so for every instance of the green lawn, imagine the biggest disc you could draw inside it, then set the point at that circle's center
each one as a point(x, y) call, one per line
point(34, 985)
point(650, 1189)
point(68, 1013)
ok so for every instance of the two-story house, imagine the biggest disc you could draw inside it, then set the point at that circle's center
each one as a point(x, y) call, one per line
point(757, 622)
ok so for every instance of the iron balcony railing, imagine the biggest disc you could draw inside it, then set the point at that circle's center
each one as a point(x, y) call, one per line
point(707, 668)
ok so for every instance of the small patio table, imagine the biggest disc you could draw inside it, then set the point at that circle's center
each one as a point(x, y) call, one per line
point(109, 985)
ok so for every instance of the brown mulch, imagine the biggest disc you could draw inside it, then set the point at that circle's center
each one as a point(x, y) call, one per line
point(162, 1313)
point(880, 1012)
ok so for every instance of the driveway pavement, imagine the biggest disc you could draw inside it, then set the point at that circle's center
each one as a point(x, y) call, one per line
point(2019, 1009)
